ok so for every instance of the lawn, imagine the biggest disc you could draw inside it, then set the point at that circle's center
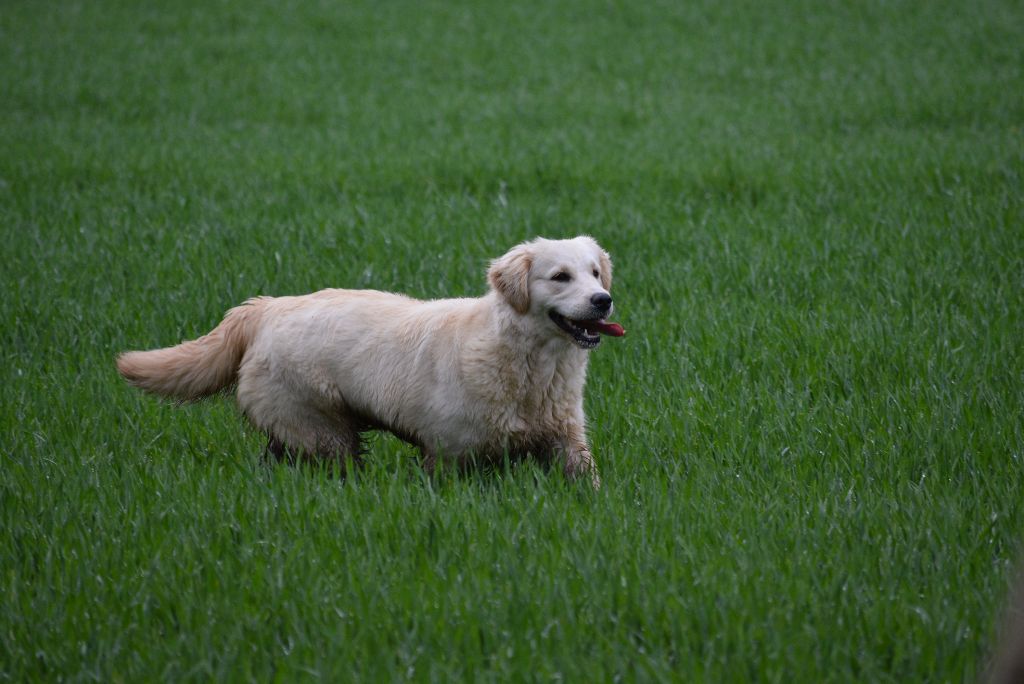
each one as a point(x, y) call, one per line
point(811, 439)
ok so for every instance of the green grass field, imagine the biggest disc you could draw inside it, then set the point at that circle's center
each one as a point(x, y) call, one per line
point(811, 439)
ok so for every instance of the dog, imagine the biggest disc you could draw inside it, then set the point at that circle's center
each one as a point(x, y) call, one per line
point(495, 377)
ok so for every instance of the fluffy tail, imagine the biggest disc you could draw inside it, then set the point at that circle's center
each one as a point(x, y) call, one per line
point(197, 368)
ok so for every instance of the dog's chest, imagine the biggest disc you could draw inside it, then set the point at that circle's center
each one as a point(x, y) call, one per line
point(530, 397)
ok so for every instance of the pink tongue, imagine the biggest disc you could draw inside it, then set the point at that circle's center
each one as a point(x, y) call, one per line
point(603, 327)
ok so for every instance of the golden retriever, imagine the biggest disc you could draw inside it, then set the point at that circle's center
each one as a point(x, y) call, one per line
point(496, 376)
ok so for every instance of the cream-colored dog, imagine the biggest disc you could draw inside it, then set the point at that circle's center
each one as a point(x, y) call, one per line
point(460, 378)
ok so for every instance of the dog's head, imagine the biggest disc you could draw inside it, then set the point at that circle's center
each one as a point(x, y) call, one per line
point(563, 282)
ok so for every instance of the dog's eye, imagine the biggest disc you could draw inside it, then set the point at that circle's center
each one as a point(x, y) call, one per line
point(596, 274)
point(562, 277)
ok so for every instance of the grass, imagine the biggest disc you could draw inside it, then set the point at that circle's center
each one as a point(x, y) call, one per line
point(811, 440)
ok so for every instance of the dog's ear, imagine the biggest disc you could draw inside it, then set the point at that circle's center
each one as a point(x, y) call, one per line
point(606, 270)
point(509, 275)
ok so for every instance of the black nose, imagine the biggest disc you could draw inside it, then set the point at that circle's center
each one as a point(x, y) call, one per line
point(601, 300)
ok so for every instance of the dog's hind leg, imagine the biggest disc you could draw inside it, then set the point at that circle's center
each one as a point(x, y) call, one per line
point(333, 443)
point(276, 450)
point(428, 461)
point(300, 433)
point(342, 445)
point(302, 428)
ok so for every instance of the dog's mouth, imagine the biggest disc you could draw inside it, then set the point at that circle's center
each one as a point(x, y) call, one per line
point(586, 333)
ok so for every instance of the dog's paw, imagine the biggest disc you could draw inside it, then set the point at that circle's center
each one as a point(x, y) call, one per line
point(578, 468)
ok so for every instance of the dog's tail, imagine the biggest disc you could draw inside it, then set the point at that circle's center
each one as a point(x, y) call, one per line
point(197, 368)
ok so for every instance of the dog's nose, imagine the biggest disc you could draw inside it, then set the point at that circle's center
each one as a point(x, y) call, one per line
point(601, 300)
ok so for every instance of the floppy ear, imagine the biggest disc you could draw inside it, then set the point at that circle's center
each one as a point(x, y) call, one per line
point(509, 275)
point(606, 270)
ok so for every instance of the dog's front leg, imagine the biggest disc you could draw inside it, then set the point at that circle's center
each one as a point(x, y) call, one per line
point(579, 461)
